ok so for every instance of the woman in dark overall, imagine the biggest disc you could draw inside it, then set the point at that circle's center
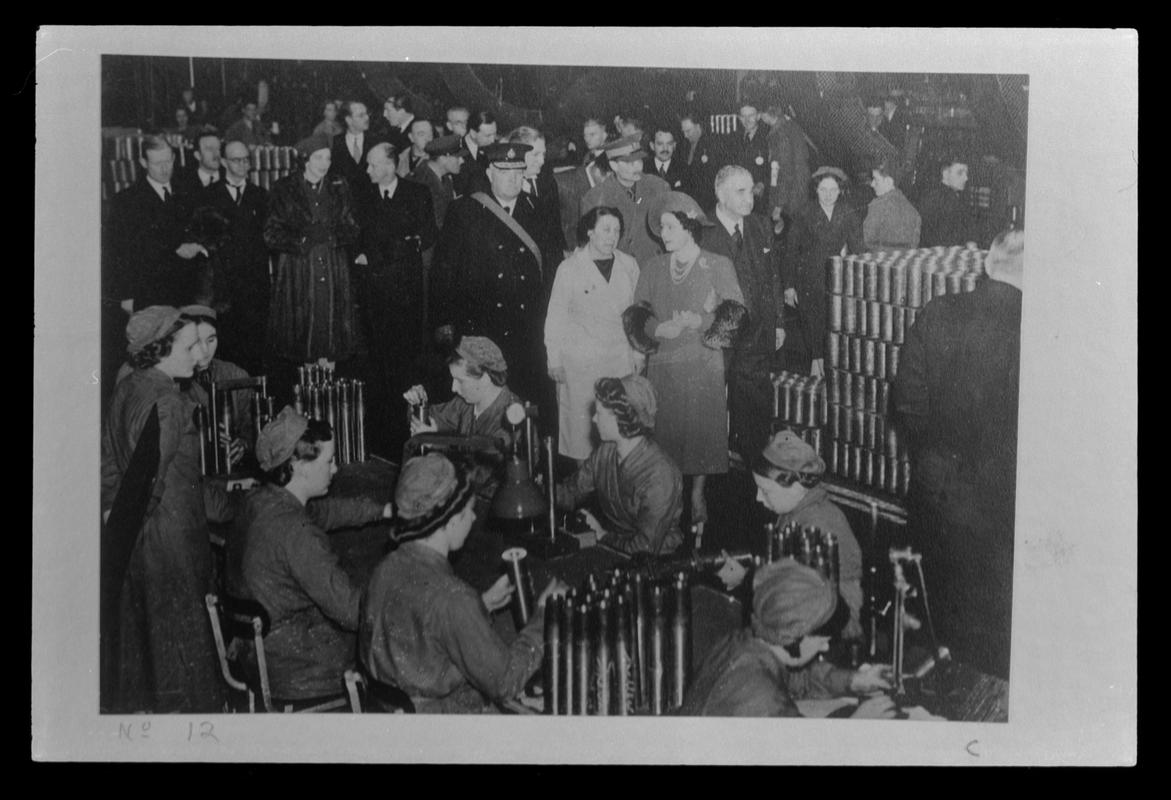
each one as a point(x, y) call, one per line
point(310, 222)
point(165, 659)
point(823, 228)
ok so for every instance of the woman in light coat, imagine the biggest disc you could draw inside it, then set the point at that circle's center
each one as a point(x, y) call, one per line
point(584, 338)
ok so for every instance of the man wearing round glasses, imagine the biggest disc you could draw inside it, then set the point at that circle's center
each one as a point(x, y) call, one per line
point(241, 278)
point(788, 476)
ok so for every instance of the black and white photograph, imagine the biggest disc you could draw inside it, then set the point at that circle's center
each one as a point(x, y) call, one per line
point(429, 390)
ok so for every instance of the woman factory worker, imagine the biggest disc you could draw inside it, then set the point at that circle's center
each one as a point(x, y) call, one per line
point(284, 561)
point(164, 659)
point(637, 486)
point(584, 339)
point(761, 670)
point(479, 375)
point(424, 630)
point(787, 474)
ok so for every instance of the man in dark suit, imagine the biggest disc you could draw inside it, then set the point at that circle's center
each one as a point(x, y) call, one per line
point(486, 278)
point(749, 149)
point(700, 160)
point(397, 224)
point(746, 239)
point(948, 220)
point(206, 168)
point(481, 133)
point(241, 288)
point(348, 154)
point(663, 163)
point(540, 192)
point(895, 123)
point(148, 255)
point(152, 252)
point(398, 112)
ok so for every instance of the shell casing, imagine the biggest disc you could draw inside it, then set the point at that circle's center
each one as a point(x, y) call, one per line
point(854, 363)
point(835, 312)
point(832, 348)
point(856, 456)
point(870, 280)
point(898, 325)
point(880, 351)
point(848, 288)
point(898, 283)
point(858, 400)
point(915, 285)
point(868, 356)
point(886, 322)
point(955, 282)
point(836, 279)
point(849, 315)
point(884, 282)
point(892, 361)
point(873, 319)
point(891, 474)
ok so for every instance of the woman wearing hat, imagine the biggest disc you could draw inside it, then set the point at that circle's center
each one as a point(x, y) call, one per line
point(284, 561)
point(310, 222)
point(824, 227)
point(763, 669)
point(788, 475)
point(479, 377)
point(683, 289)
point(584, 339)
point(637, 485)
point(423, 629)
point(165, 658)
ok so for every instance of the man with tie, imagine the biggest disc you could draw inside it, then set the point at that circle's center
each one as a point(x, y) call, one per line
point(487, 275)
point(540, 192)
point(396, 228)
point(746, 239)
point(208, 167)
point(348, 156)
point(398, 113)
point(148, 252)
point(700, 162)
point(664, 164)
point(481, 133)
point(629, 190)
point(751, 152)
point(150, 243)
point(242, 289)
point(420, 132)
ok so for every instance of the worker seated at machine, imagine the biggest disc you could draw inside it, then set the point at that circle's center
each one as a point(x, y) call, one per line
point(764, 669)
point(479, 377)
point(283, 560)
point(426, 631)
point(787, 474)
point(636, 485)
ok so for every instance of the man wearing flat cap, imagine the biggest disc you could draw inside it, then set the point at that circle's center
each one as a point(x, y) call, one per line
point(398, 226)
point(638, 488)
point(423, 629)
point(487, 277)
point(631, 192)
point(763, 669)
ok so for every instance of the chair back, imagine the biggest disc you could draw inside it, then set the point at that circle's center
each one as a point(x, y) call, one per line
point(217, 630)
point(248, 619)
point(368, 694)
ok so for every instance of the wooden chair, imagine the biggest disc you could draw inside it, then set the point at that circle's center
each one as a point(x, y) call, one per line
point(214, 613)
point(360, 690)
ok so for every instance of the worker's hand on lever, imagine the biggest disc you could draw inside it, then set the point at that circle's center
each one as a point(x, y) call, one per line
point(555, 588)
point(415, 395)
point(498, 594)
